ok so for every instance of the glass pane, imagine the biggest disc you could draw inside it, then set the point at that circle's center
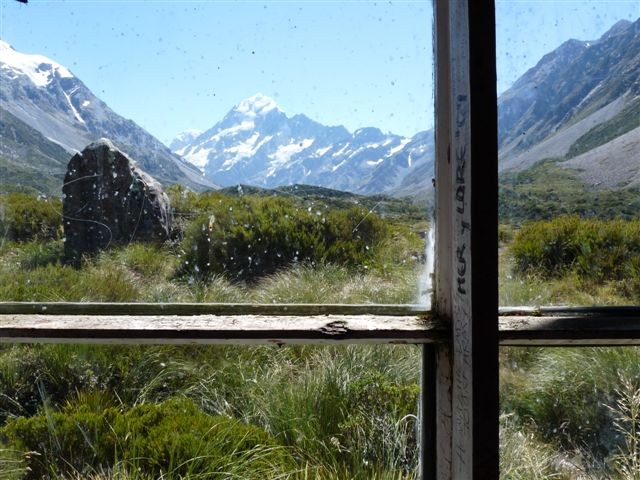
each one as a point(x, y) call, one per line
point(287, 151)
point(570, 412)
point(303, 175)
point(148, 412)
point(569, 232)
point(569, 136)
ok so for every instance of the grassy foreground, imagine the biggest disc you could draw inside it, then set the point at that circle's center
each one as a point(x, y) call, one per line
point(142, 413)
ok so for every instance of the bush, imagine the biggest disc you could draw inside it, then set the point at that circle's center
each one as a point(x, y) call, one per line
point(596, 250)
point(40, 254)
point(245, 238)
point(26, 217)
point(172, 439)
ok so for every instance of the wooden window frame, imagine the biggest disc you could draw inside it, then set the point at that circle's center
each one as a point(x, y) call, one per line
point(462, 332)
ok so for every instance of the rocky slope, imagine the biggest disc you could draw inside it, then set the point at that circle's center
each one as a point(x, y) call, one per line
point(47, 97)
point(580, 97)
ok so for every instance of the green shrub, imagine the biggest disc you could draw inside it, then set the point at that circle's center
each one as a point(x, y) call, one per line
point(381, 424)
point(173, 439)
point(26, 217)
point(249, 237)
point(548, 248)
point(597, 250)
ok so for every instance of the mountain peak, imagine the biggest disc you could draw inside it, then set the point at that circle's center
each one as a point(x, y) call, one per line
point(38, 68)
point(258, 104)
point(618, 28)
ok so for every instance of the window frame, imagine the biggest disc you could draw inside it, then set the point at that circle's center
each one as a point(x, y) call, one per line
point(462, 332)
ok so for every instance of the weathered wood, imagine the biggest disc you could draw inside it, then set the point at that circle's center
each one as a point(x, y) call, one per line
point(472, 239)
point(585, 328)
point(185, 309)
point(237, 329)
point(584, 311)
point(444, 415)
point(443, 278)
point(551, 326)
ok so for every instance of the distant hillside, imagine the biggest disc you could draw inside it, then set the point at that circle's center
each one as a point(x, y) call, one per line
point(309, 195)
point(579, 105)
point(28, 160)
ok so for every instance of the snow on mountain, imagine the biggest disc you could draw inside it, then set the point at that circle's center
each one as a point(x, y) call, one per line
point(257, 143)
point(39, 69)
point(47, 97)
point(259, 104)
point(183, 139)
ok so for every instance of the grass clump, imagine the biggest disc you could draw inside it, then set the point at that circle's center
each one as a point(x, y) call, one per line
point(523, 456)
point(173, 439)
point(626, 421)
point(26, 217)
point(339, 413)
point(564, 395)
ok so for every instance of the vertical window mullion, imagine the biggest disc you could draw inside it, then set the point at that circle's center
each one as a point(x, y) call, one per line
point(466, 262)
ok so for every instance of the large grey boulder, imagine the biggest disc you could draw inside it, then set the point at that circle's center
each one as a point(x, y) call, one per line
point(107, 199)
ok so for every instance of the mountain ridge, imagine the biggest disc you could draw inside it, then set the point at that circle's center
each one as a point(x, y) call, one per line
point(257, 143)
point(47, 97)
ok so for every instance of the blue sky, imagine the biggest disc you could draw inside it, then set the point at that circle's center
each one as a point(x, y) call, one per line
point(175, 65)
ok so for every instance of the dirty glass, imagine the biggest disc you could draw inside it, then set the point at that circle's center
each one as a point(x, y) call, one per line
point(204, 151)
point(283, 151)
point(569, 130)
point(569, 118)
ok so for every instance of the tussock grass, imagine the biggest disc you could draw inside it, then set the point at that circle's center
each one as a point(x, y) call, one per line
point(336, 284)
point(523, 456)
point(305, 397)
point(34, 271)
point(533, 289)
point(564, 398)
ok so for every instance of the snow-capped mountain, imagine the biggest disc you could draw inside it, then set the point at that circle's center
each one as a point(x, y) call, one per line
point(257, 143)
point(47, 97)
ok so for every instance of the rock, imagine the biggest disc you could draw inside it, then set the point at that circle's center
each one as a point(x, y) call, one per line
point(107, 199)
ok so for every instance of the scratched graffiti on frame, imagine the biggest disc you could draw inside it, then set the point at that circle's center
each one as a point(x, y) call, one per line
point(461, 302)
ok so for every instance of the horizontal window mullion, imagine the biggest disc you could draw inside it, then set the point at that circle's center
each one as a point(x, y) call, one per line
point(238, 329)
point(302, 323)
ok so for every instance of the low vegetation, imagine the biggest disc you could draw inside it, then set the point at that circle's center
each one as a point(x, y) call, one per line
point(623, 122)
point(548, 190)
point(151, 412)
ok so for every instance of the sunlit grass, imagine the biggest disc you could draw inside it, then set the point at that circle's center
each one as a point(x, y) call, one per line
point(34, 271)
point(344, 413)
point(534, 290)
